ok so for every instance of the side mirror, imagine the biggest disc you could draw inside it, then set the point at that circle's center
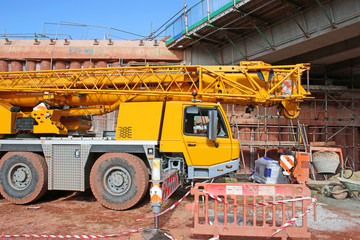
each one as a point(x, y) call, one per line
point(212, 125)
point(192, 110)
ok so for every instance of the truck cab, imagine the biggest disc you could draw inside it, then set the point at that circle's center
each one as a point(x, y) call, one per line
point(182, 130)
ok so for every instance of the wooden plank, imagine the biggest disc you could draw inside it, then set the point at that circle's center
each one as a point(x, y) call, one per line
point(322, 144)
point(328, 88)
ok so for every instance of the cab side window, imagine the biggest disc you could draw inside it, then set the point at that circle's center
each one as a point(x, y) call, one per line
point(196, 122)
point(222, 132)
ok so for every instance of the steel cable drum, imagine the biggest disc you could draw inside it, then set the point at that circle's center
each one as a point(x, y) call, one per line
point(325, 162)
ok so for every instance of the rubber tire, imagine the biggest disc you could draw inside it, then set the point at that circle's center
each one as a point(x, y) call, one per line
point(325, 190)
point(39, 181)
point(339, 196)
point(139, 180)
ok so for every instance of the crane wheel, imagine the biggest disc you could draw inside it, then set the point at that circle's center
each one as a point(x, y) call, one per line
point(23, 177)
point(119, 180)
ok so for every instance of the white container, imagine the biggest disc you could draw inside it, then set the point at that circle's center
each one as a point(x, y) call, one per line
point(268, 171)
point(325, 162)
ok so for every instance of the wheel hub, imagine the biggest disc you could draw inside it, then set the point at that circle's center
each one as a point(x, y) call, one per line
point(19, 176)
point(117, 180)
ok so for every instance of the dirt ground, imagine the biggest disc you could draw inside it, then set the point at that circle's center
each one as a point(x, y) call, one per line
point(66, 213)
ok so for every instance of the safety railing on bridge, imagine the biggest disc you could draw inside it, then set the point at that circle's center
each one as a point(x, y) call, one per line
point(189, 18)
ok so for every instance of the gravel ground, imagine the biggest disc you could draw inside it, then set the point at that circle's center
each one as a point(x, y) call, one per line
point(79, 213)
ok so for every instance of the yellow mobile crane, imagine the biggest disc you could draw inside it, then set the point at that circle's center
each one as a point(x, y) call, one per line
point(172, 113)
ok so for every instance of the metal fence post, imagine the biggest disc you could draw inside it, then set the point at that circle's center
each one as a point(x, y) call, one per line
point(208, 9)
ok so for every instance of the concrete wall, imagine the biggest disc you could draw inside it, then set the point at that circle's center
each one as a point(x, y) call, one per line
point(25, 54)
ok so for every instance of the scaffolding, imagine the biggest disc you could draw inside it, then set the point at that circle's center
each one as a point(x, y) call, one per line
point(329, 119)
point(264, 131)
point(335, 120)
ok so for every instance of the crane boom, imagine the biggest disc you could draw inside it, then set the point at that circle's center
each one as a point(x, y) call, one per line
point(95, 91)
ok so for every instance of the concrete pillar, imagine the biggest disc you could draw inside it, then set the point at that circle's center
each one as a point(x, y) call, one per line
point(45, 65)
point(75, 64)
point(101, 64)
point(30, 66)
point(16, 66)
point(4, 67)
point(89, 64)
point(60, 65)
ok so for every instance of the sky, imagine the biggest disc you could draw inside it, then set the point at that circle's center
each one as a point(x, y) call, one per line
point(136, 16)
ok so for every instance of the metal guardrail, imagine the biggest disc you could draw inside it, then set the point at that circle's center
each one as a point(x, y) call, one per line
point(189, 18)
